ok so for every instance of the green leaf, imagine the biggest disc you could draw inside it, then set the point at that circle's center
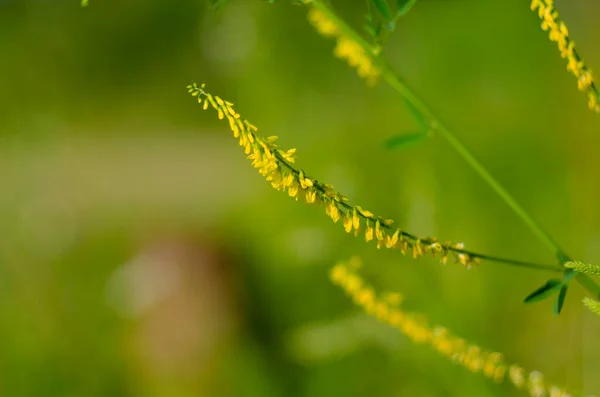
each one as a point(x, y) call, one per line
point(560, 300)
point(404, 6)
point(398, 141)
point(384, 9)
point(568, 275)
point(545, 291)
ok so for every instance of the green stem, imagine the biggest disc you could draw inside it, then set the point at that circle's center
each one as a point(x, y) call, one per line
point(394, 80)
point(412, 237)
point(588, 284)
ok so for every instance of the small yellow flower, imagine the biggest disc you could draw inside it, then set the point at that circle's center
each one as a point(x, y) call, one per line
point(347, 221)
point(353, 284)
point(593, 102)
point(517, 376)
point(586, 79)
point(378, 231)
point(338, 274)
point(365, 297)
point(369, 233)
point(535, 4)
point(355, 220)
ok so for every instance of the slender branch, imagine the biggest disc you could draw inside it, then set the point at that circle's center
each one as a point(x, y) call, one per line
point(471, 254)
point(396, 82)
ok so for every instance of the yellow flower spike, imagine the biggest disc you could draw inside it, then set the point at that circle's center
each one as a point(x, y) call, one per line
point(559, 33)
point(346, 48)
point(415, 326)
point(322, 24)
point(275, 165)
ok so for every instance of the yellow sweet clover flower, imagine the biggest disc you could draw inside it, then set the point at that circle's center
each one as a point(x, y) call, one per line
point(276, 166)
point(415, 326)
point(346, 48)
point(558, 32)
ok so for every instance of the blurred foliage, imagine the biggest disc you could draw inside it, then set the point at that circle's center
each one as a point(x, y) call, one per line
point(142, 256)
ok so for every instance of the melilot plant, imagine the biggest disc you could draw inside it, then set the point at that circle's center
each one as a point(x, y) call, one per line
point(278, 167)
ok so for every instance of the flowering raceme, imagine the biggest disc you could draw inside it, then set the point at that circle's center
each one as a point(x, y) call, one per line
point(558, 32)
point(414, 325)
point(346, 48)
point(276, 166)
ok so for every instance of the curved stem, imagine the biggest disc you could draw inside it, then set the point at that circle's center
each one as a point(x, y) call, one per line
point(512, 262)
point(395, 82)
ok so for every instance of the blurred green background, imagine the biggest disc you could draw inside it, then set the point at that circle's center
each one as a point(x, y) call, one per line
point(142, 256)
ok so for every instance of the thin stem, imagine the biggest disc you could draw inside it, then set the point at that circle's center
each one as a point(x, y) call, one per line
point(512, 262)
point(394, 80)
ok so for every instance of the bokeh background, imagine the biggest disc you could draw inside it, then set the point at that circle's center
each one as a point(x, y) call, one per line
point(142, 256)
